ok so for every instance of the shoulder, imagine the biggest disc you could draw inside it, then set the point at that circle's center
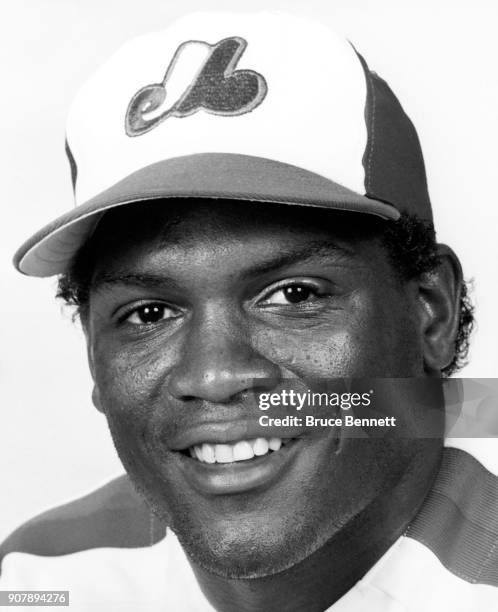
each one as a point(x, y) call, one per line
point(458, 520)
point(113, 515)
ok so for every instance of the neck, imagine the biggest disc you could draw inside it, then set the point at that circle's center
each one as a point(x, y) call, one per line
point(321, 579)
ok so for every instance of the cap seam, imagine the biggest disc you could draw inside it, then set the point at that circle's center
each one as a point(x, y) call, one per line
point(372, 130)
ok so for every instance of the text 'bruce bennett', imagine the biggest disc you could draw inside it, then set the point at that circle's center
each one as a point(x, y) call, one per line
point(311, 421)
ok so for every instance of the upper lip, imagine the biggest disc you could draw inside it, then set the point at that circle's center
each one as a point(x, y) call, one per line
point(229, 432)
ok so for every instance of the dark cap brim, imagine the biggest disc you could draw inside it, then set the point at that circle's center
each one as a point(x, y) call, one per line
point(203, 175)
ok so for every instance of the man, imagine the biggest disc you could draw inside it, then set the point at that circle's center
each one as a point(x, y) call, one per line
point(252, 218)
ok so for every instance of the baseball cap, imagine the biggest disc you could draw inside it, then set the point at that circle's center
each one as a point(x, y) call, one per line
point(264, 107)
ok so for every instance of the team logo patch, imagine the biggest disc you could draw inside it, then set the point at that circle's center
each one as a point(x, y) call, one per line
point(199, 77)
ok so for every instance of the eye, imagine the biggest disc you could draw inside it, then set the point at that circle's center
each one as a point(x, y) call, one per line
point(148, 314)
point(291, 294)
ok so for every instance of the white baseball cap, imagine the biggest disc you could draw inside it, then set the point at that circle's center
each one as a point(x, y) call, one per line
point(265, 107)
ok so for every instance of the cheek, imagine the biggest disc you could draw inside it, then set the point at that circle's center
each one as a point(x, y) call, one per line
point(129, 381)
point(336, 346)
point(376, 336)
point(319, 353)
point(391, 337)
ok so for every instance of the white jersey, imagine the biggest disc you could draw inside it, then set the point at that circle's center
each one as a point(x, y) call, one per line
point(109, 552)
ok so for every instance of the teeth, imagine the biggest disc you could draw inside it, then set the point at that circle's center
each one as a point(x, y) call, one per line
point(223, 453)
point(275, 444)
point(208, 454)
point(261, 446)
point(240, 451)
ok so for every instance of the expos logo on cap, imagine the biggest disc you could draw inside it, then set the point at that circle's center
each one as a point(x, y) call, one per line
point(217, 88)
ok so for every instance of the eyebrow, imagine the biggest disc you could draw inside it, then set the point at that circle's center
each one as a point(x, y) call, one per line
point(134, 279)
point(146, 280)
point(313, 250)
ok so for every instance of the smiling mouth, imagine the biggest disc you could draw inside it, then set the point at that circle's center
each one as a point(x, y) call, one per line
point(237, 466)
point(243, 450)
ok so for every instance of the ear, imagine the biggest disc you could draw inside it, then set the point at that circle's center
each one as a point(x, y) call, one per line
point(439, 299)
point(91, 362)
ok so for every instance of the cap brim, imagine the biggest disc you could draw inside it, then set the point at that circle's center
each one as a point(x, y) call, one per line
point(203, 175)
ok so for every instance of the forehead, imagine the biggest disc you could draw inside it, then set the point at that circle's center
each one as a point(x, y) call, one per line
point(201, 225)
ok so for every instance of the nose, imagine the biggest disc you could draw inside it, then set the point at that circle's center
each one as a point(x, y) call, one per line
point(217, 362)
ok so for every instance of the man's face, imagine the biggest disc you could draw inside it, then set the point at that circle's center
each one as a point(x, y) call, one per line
point(195, 308)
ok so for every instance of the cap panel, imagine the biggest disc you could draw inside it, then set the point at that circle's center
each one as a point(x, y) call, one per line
point(393, 161)
point(311, 115)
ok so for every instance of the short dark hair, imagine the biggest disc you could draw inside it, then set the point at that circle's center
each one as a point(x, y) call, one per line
point(410, 243)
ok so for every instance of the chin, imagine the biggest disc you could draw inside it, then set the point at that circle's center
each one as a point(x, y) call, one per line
point(241, 547)
point(244, 550)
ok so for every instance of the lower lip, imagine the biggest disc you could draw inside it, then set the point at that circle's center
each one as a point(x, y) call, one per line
point(239, 476)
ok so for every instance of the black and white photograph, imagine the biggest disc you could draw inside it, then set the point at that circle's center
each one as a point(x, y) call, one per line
point(249, 269)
